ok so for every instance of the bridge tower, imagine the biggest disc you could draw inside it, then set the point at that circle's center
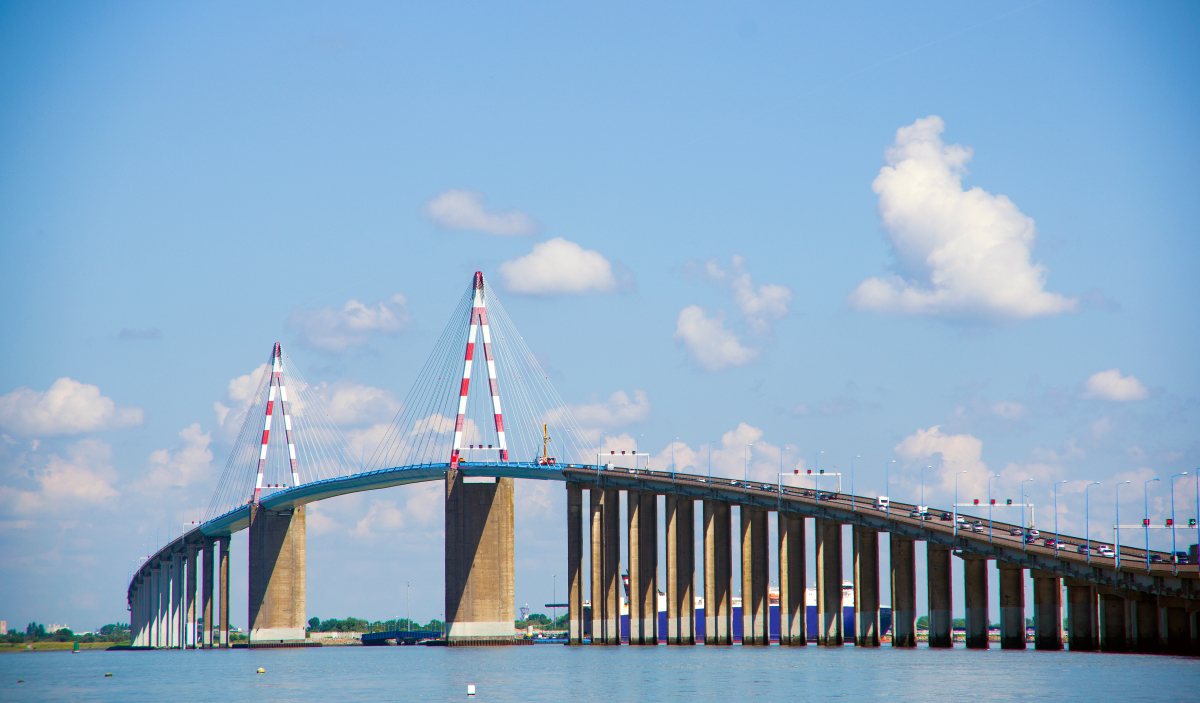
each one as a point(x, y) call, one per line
point(479, 513)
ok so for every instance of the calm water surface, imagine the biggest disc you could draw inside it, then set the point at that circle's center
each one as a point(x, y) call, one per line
point(558, 673)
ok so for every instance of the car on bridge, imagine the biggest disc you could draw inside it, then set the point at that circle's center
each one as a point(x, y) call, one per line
point(979, 527)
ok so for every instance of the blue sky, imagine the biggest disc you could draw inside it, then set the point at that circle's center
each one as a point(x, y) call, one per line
point(683, 207)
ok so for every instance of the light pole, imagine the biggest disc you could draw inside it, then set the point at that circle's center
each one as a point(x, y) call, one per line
point(1056, 540)
point(1117, 530)
point(960, 473)
point(923, 485)
point(887, 487)
point(1024, 525)
point(1087, 517)
point(746, 470)
point(710, 460)
point(672, 460)
point(408, 597)
point(1146, 518)
point(1174, 556)
point(856, 456)
point(990, 503)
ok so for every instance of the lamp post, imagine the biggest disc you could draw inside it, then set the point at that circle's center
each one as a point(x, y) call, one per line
point(636, 447)
point(1146, 518)
point(746, 469)
point(1174, 556)
point(923, 486)
point(856, 456)
point(1056, 540)
point(816, 481)
point(990, 502)
point(1024, 525)
point(710, 443)
point(1087, 516)
point(960, 473)
point(887, 487)
point(1117, 529)
point(600, 455)
point(672, 461)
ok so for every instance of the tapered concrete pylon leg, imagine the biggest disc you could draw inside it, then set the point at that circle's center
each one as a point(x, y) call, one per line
point(479, 558)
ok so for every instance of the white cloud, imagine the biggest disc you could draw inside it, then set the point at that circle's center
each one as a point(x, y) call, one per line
point(618, 410)
point(966, 253)
point(335, 331)
point(231, 410)
point(1111, 385)
point(84, 476)
point(959, 452)
point(68, 407)
point(711, 345)
point(1009, 410)
point(740, 451)
point(558, 267)
point(762, 306)
point(464, 209)
point(184, 465)
point(349, 403)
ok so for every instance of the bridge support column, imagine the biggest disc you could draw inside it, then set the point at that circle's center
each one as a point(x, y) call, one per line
point(479, 557)
point(1178, 625)
point(642, 514)
point(1082, 635)
point(1147, 637)
point(718, 573)
point(866, 586)
point(612, 566)
point(152, 606)
point(681, 571)
point(1114, 623)
point(206, 593)
point(162, 620)
point(596, 532)
point(829, 583)
point(276, 574)
point(1012, 605)
point(904, 591)
point(791, 580)
point(1047, 610)
point(574, 563)
point(975, 595)
point(189, 639)
point(224, 578)
point(941, 589)
point(755, 566)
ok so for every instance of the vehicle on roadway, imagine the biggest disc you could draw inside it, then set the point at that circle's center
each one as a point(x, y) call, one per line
point(947, 517)
point(1181, 558)
point(1034, 533)
point(979, 527)
point(1015, 532)
point(1082, 549)
point(1156, 559)
point(1106, 551)
point(881, 503)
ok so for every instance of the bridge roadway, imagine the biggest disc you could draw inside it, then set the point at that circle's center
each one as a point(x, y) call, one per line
point(164, 607)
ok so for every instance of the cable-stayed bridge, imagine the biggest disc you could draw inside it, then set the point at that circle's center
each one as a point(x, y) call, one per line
point(482, 414)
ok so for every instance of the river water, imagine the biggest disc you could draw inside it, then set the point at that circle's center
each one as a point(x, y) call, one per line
point(559, 673)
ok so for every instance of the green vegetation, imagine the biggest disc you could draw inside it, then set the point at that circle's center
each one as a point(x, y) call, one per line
point(360, 625)
point(923, 622)
point(114, 633)
point(541, 621)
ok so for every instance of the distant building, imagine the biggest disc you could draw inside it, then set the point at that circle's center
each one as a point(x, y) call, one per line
point(3, 627)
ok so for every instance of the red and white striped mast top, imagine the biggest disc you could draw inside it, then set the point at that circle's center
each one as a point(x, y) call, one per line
point(479, 320)
point(276, 382)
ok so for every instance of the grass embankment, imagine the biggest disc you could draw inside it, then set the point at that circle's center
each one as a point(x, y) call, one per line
point(7, 647)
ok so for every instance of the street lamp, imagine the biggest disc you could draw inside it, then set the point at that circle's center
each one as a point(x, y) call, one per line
point(1174, 556)
point(856, 456)
point(1146, 518)
point(990, 502)
point(746, 474)
point(710, 443)
point(887, 487)
point(672, 460)
point(1057, 546)
point(960, 473)
point(923, 484)
point(1087, 525)
point(1024, 525)
point(1117, 531)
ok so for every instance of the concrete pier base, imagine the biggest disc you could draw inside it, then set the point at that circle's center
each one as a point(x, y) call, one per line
point(223, 553)
point(1012, 605)
point(904, 591)
point(755, 567)
point(975, 597)
point(829, 583)
point(866, 586)
point(642, 515)
point(479, 558)
point(718, 573)
point(1114, 623)
point(938, 577)
point(177, 581)
point(1047, 610)
point(574, 563)
point(189, 636)
point(206, 594)
point(1082, 625)
point(681, 570)
point(612, 566)
point(276, 570)
point(1146, 631)
point(791, 580)
point(605, 516)
point(1178, 625)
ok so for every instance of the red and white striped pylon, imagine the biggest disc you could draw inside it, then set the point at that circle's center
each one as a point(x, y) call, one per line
point(479, 320)
point(276, 382)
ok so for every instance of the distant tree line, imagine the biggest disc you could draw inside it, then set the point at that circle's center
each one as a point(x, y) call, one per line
point(541, 621)
point(36, 632)
point(360, 625)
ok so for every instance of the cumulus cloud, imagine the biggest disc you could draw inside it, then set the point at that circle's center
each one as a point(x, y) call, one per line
point(465, 209)
point(965, 253)
point(760, 306)
point(335, 331)
point(710, 344)
point(740, 451)
point(231, 410)
point(618, 410)
point(68, 407)
point(182, 466)
point(84, 476)
point(1111, 385)
point(349, 403)
point(558, 267)
point(959, 452)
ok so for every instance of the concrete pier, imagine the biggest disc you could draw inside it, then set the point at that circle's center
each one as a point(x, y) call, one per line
point(189, 639)
point(866, 586)
point(755, 567)
point(975, 596)
point(829, 582)
point(574, 563)
point(904, 592)
point(791, 580)
point(479, 557)
point(206, 593)
point(642, 514)
point(941, 589)
point(1114, 623)
point(1012, 605)
point(1177, 624)
point(718, 573)
point(681, 570)
point(276, 572)
point(177, 566)
point(1146, 626)
point(596, 532)
point(612, 566)
point(1082, 625)
point(224, 594)
point(1047, 610)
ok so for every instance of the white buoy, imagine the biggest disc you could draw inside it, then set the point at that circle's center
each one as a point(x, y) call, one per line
point(470, 689)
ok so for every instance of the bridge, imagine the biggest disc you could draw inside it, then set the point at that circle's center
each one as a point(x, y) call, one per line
point(449, 430)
